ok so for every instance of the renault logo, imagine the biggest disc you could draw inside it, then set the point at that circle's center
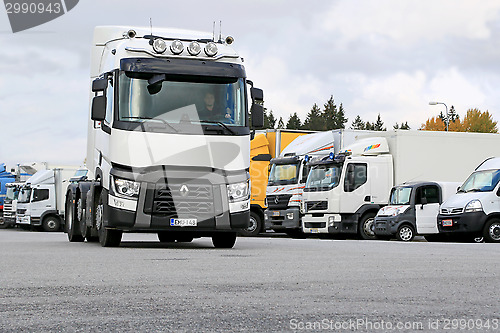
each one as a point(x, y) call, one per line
point(184, 190)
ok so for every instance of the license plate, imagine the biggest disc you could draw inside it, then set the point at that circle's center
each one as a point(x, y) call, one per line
point(447, 223)
point(183, 222)
point(313, 231)
point(275, 214)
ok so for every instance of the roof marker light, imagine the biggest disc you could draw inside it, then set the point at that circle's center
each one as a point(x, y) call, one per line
point(159, 45)
point(211, 49)
point(176, 47)
point(194, 48)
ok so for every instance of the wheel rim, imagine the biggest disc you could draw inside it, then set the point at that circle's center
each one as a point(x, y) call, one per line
point(79, 209)
point(405, 234)
point(495, 231)
point(51, 224)
point(98, 216)
point(368, 227)
point(253, 225)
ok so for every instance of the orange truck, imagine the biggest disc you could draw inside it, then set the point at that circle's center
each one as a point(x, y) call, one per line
point(264, 146)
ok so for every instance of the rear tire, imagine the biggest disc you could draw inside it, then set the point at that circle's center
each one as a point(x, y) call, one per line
point(255, 225)
point(51, 224)
point(366, 226)
point(405, 233)
point(72, 226)
point(107, 237)
point(491, 231)
point(224, 240)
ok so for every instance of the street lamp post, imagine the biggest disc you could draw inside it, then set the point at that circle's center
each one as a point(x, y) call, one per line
point(447, 119)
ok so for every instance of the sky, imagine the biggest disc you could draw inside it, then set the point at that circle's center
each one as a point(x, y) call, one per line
point(387, 57)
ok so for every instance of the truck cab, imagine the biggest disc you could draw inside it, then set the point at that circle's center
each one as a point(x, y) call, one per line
point(474, 210)
point(412, 210)
point(10, 203)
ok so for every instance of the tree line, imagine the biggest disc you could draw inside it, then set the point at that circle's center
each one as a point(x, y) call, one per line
point(332, 117)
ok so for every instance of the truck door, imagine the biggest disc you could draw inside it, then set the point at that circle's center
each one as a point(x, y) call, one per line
point(427, 201)
point(42, 200)
point(356, 187)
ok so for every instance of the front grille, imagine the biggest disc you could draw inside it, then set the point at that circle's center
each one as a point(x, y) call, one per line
point(183, 199)
point(451, 211)
point(316, 205)
point(278, 201)
point(315, 224)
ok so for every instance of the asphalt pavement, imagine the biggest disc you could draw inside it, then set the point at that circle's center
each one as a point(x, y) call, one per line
point(264, 284)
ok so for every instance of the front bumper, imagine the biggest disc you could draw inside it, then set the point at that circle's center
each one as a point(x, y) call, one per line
point(279, 220)
point(389, 225)
point(465, 222)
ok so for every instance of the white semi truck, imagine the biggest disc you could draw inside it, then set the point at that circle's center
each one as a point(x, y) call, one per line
point(343, 194)
point(41, 199)
point(168, 145)
point(288, 174)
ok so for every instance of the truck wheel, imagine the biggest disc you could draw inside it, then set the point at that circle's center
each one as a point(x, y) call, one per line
point(107, 237)
point(366, 226)
point(255, 225)
point(72, 226)
point(406, 233)
point(224, 240)
point(51, 223)
point(491, 231)
point(166, 237)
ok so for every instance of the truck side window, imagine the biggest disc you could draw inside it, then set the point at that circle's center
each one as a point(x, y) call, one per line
point(356, 175)
point(40, 194)
point(109, 100)
point(430, 192)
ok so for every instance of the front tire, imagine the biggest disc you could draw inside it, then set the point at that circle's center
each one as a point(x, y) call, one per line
point(255, 225)
point(224, 240)
point(366, 226)
point(51, 224)
point(107, 237)
point(491, 231)
point(405, 233)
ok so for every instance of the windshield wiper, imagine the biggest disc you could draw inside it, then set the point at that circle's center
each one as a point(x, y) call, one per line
point(218, 123)
point(149, 118)
point(473, 190)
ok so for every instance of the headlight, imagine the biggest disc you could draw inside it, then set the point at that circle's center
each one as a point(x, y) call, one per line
point(474, 206)
point(159, 45)
point(211, 49)
point(127, 188)
point(238, 191)
point(176, 47)
point(400, 210)
point(194, 48)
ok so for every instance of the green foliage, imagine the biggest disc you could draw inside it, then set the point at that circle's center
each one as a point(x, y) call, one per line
point(358, 123)
point(269, 120)
point(404, 126)
point(333, 118)
point(314, 120)
point(294, 122)
point(280, 123)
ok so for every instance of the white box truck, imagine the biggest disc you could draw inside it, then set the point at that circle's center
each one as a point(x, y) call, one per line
point(168, 144)
point(288, 174)
point(412, 210)
point(41, 199)
point(343, 194)
point(474, 211)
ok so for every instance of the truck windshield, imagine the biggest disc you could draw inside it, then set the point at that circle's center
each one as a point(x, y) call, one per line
point(181, 100)
point(11, 193)
point(323, 177)
point(24, 195)
point(283, 174)
point(400, 196)
point(481, 181)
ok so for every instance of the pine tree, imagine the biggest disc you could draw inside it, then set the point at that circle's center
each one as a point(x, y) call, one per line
point(294, 122)
point(334, 118)
point(314, 120)
point(269, 120)
point(453, 115)
point(404, 126)
point(280, 123)
point(358, 123)
point(379, 125)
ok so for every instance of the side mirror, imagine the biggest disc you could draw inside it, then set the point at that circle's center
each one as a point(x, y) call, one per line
point(262, 157)
point(99, 84)
point(98, 108)
point(257, 116)
point(257, 94)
